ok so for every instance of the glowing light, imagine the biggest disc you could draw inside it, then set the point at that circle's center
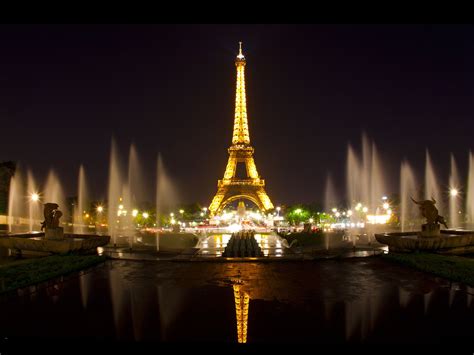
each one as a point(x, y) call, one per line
point(278, 208)
point(378, 219)
point(120, 207)
point(145, 215)
point(173, 221)
point(337, 214)
point(202, 214)
point(453, 192)
point(384, 198)
point(181, 211)
point(334, 209)
point(100, 209)
point(365, 209)
point(233, 228)
point(172, 214)
point(311, 220)
point(349, 213)
point(298, 211)
point(358, 206)
point(135, 213)
point(389, 211)
point(34, 197)
point(205, 209)
point(386, 206)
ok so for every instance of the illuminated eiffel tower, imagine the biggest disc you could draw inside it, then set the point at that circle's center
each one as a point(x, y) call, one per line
point(232, 188)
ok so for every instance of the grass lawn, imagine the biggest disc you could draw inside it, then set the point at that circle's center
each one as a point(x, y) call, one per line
point(24, 273)
point(455, 268)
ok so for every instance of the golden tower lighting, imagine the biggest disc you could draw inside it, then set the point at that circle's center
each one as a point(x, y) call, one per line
point(241, 299)
point(231, 188)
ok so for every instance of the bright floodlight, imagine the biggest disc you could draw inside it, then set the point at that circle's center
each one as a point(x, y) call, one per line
point(311, 220)
point(365, 209)
point(145, 215)
point(100, 209)
point(278, 208)
point(453, 192)
point(349, 213)
point(386, 205)
point(204, 209)
point(120, 207)
point(34, 197)
point(384, 198)
point(181, 211)
point(171, 214)
point(135, 213)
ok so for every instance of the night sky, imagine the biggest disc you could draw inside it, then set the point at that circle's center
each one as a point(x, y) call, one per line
point(170, 89)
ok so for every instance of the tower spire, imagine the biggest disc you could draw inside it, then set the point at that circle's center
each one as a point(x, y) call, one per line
point(241, 129)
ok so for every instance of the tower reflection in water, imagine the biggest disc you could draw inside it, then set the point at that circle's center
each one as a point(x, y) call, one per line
point(241, 312)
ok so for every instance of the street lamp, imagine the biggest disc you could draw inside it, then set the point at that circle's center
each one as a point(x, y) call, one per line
point(145, 215)
point(100, 209)
point(34, 197)
point(453, 192)
point(135, 213)
point(181, 211)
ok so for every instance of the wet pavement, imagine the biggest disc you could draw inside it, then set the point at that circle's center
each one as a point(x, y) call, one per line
point(360, 300)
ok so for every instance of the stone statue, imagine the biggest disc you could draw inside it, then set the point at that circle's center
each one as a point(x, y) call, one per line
point(433, 219)
point(51, 216)
point(51, 221)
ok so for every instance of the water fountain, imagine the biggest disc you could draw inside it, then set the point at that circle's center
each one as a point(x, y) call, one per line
point(114, 192)
point(407, 189)
point(470, 190)
point(330, 200)
point(82, 202)
point(34, 205)
point(432, 189)
point(431, 238)
point(16, 202)
point(454, 194)
point(166, 195)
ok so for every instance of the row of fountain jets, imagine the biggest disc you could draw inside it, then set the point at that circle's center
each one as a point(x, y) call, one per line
point(364, 174)
point(125, 190)
point(366, 183)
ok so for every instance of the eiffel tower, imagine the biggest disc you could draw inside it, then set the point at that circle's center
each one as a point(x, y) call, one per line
point(232, 188)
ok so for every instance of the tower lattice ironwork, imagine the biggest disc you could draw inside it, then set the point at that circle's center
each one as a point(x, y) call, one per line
point(232, 188)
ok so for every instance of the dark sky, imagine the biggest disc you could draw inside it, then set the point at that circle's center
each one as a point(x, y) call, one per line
point(311, 89)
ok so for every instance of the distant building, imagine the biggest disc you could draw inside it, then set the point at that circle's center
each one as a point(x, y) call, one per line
point(7, 170)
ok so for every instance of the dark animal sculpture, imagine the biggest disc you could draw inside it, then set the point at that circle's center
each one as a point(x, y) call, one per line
point(430, 212)
point(51, 216)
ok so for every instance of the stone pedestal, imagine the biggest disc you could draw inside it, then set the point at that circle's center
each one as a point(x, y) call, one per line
point(54, 233)
point(430, 230)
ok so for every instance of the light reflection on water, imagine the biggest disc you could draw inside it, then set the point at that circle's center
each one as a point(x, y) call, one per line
point(335, 302)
